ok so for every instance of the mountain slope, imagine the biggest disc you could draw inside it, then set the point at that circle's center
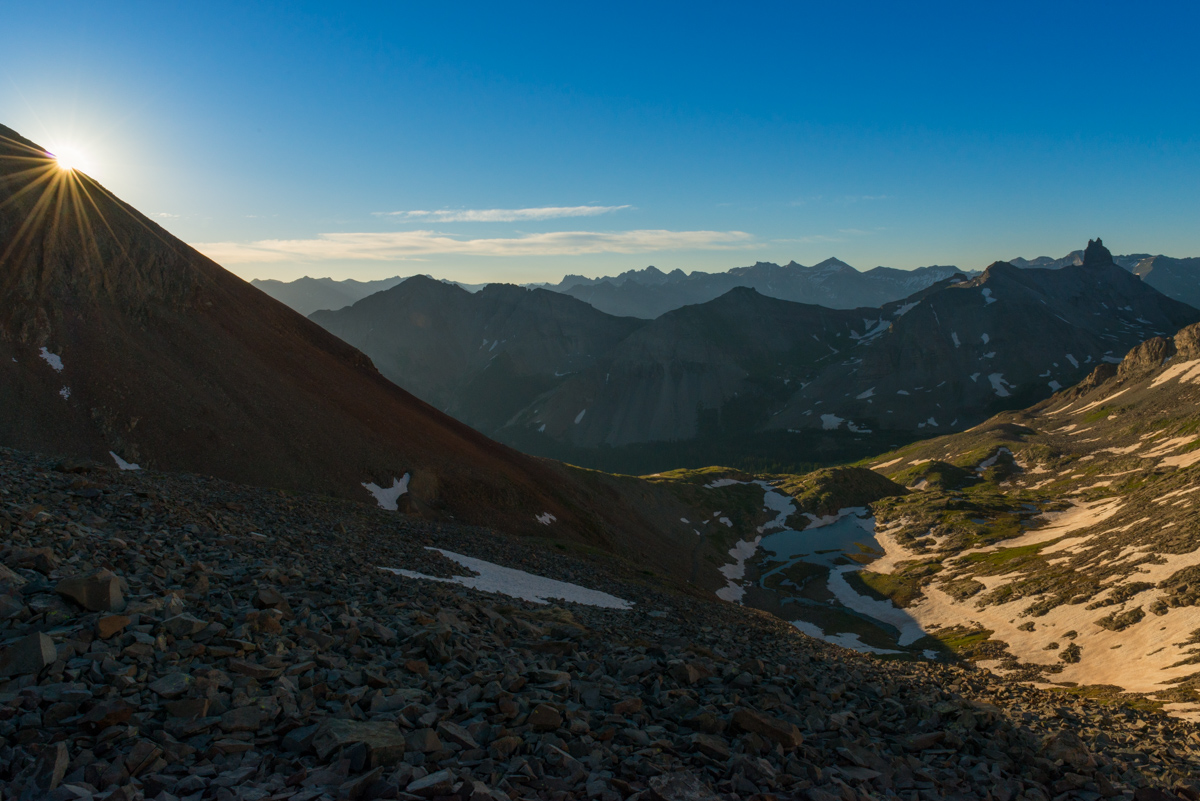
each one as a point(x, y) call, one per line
point(659, 382)
point(1175, 278)
point(480, 357)
point(650, 293)
point(115, 336)
point(1065, 536)
point(1003, 340)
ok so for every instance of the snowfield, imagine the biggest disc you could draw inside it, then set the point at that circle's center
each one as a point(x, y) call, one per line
point(516, 583)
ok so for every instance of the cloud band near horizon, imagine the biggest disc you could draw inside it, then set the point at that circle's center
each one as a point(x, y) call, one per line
point(402, 245)
point(500, 215)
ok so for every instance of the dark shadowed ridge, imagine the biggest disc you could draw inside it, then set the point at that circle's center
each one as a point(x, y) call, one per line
point(117, 337)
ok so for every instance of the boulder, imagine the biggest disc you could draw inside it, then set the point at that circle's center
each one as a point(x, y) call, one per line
point(109, 625)
point(96, 592)
point(680, 786)
point(384, 741)
point(30, 654)
point(778, 731)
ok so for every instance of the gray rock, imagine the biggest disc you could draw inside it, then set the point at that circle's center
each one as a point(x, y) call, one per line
point(97, 592)
point(30, 654)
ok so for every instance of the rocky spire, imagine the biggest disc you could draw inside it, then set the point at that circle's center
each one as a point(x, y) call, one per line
point(1096, 254)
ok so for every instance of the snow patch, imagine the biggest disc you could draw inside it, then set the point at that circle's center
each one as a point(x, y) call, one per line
point(830, 421)
point(987, 296)
point(735, 571)
point(985, 339)
point(545, 518)
point(122, 464)
point(846, 640)
point(723, 482)
point(65, 393)
point(1055, 386)
point(865, 395)
point(1072, 360)
point(991, 460)
point(52, 359)
point(954, 336)
point(579, 416)
point(1000, 385)
point(516, 583)
point(386, 497)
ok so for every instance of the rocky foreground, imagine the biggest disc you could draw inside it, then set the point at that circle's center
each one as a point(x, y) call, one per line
point(171, 637)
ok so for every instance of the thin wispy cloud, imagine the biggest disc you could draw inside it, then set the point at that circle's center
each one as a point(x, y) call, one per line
point(500, 215)
point(811, 240)
point(412, 245)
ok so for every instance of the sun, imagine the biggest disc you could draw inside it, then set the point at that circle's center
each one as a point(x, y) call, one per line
point(68, 159)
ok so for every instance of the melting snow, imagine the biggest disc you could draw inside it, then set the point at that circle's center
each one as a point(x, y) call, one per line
point(386, 497)
point(902, 392)
point(723, 482)
point(727, 522)
point(975, 376)
point(865, 395)
point(985, 338)
point(122, 464)
point(740, 552)
point(954, 336)
point(545, 518)
point(905, 309)
point(778, 502)
point(517, 583)
point(846, 640)
point(65, 393)
point(991, 460)
point(1055, 386)
point(885, 611)
point(830, 421)
point(999, 384)
point(987, 296)
point(579, 416)
point(1071, 359)
point(52, 359)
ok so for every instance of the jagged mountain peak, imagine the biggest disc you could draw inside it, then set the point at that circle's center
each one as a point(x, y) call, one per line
point(1096, 255)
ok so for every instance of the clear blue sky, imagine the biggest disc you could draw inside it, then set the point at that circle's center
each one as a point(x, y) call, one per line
point(592, 138)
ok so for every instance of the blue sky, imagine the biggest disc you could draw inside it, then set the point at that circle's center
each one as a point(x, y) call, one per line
point(488, 143)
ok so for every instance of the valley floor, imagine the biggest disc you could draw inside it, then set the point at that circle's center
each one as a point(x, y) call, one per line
point(248, 645)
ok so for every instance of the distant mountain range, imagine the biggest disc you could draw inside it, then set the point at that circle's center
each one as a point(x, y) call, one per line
point(307, 295)
point(650, 293)
point(746, 375)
